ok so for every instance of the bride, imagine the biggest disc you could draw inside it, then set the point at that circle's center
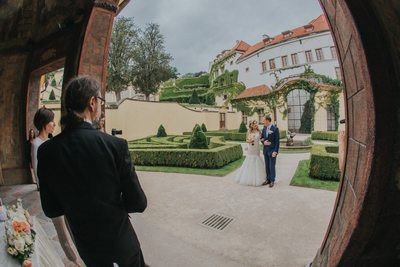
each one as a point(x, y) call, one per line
point(252, 171)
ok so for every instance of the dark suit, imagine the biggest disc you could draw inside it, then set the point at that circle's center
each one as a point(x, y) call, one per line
point(270, 161)
point(87, 176)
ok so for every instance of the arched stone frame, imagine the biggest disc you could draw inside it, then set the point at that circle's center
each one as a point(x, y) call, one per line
point(364, 228)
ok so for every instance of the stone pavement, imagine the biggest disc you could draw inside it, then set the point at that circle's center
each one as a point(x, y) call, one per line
point(280, 226)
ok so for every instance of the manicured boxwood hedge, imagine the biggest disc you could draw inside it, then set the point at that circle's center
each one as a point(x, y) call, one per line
point(195, 158)
point(329, 136)
point(204, 79)
point(228, 135)
point(324, 164)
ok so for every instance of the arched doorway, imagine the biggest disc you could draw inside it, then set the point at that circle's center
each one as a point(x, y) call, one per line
point(297, 103)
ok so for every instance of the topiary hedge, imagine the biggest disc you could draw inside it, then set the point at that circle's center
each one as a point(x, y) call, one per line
point(204, 80)
point(324, 163)
point(203, 128)
point(161, 131)
point(213, 158)
point(242, 128)
point(198, 139)
point(319, 135)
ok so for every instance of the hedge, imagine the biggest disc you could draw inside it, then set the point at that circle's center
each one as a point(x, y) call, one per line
point(324, 163)
point(229, 136)
point(319, 135)
point(204, 79)
point(195, 158)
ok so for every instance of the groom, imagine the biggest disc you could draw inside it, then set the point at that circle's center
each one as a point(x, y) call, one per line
point(270, 140)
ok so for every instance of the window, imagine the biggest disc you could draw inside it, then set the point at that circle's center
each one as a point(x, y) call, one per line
point(272, 64)
point(331, 120)
point(225, 97)
point(284, 61)
point(261, 116)
point(309, 57)
point(264, 66)
point(244, 118)
point(247, 69)
point(338, 73)
point(295, 59)
point(231, 62)
point(320, 54)
point(333, 52)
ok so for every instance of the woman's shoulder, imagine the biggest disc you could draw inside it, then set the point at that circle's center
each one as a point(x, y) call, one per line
point(37, 141)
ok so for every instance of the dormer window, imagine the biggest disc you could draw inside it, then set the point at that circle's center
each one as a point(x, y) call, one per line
point(309, 28)
point(287, 34)
point(267, 39)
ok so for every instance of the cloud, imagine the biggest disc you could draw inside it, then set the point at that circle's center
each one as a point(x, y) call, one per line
point(196, 31)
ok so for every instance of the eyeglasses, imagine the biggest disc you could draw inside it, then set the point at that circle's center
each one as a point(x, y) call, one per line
point(103, 101)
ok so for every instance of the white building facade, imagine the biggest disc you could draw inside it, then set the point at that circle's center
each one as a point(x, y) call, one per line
point(282, 56)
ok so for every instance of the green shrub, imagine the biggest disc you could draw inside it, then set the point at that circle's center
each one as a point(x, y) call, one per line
point(54, 83)
point(319, 135)
point(214, 158)
point(198, 139)
point(210, 99)
point(308, 141)
point(194, 99)
point(52, 96)
point(324, 164)
point(161, 131)
point(203, 128)
point(242, 128)
point(282, 134)
point(306, 118)
point(204, 80)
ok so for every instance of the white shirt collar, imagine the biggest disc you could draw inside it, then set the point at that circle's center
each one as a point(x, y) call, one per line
point(88, 121)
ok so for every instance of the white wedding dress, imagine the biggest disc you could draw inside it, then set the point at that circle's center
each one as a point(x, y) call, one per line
point(252, 171)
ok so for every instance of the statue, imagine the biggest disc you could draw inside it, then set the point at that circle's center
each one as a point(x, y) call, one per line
point(289, 138)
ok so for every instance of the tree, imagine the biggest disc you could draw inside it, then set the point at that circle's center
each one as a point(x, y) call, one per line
point(210, 99)
point(306, 118)
point(119, 68)
point(52, 96)
point(173, 73)
point(161, 131)
point(194, 99)
point(242, 128)
point(203, 128)
point(150, 61)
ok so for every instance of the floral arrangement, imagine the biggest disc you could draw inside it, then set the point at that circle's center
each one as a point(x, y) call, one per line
point(19, 233)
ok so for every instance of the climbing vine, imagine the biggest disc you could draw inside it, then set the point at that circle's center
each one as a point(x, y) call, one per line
point(218, 64)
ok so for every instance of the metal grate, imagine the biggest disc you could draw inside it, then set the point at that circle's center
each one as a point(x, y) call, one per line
point(217, 222)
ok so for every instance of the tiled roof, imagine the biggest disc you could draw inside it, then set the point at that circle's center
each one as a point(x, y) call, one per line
point(317, 25)
point(241, 46)
point(255, 91)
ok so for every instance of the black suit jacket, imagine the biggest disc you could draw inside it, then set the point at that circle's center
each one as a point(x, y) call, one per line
point(88, 176)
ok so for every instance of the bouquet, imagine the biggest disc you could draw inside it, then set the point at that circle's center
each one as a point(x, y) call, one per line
point(19, 233)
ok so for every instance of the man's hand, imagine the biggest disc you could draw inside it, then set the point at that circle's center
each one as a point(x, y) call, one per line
point(274, 154)
point(267, 143)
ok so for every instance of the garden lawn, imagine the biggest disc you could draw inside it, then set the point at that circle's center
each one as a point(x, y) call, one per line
point(302, 178)
point(210, 172)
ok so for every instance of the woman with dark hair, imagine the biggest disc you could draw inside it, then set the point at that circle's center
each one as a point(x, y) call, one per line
point(87, 176)
point(44, 123)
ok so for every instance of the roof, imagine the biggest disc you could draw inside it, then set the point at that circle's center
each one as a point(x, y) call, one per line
point(259, 90)
point(319, 24)
point(241, 46)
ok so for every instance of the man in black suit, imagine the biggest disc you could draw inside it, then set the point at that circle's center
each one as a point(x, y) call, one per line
point(270, 139)
point(88, 176)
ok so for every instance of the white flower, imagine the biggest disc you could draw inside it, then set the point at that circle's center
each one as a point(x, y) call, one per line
point(19, 244)
point(28, 239)
point(12, 251)
point(11, 241)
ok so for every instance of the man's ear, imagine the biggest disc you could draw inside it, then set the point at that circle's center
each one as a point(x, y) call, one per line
point(92, 103)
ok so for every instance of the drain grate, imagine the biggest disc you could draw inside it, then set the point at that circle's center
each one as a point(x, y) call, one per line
point(217, 222)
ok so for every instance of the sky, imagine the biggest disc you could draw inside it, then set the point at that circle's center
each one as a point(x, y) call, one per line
point(195, 31)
